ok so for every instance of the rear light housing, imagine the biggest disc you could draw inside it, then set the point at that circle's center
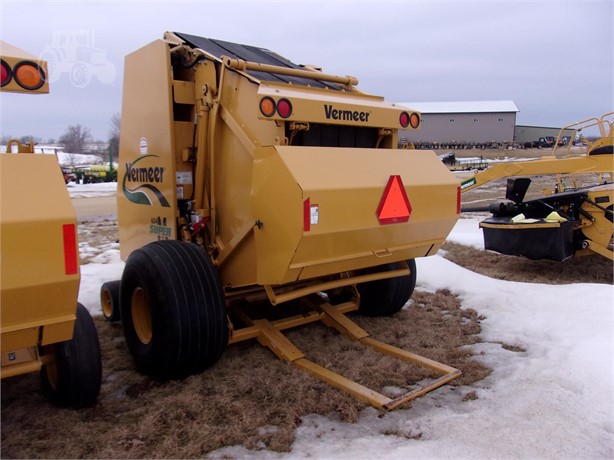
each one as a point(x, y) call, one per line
point(268, 107)
point(23, 75)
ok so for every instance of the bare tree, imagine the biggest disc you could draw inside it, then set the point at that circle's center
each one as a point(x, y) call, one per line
point(114, 135)
point(27, 139)
point(75, 139)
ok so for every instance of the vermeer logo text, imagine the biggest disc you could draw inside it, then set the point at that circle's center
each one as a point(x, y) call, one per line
point(345, 115)
point(150, 174)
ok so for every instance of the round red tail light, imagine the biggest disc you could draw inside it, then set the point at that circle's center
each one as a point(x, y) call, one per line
point(284, 108)
point(7, 73)
point(267, 106)
point(404, 119)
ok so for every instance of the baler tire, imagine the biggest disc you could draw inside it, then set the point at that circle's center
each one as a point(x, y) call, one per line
point(109, 300)
point(386, 297)
point(173, 310)
point(73, 379)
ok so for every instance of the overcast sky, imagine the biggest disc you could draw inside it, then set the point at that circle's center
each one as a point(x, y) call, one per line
point(554, 59)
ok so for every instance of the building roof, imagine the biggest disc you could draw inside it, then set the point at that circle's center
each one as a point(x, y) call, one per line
point(461, 106)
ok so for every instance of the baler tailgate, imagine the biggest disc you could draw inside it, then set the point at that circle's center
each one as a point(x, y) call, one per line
point(268, 333)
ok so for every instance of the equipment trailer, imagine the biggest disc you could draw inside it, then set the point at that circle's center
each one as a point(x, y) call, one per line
point(43, 328)
point(246, 178)
point(568, 222)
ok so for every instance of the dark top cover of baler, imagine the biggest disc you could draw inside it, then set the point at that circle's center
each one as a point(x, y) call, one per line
point(219, 48)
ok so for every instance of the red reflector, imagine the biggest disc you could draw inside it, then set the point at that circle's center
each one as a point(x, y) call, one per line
point(307, 215)
point(458, 200)
point(404, 119)
point(71, 265)
point(6, 73)
point(284, 108)
point(394, 207)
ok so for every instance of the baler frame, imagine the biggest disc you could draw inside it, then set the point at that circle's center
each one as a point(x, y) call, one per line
point(269, 334)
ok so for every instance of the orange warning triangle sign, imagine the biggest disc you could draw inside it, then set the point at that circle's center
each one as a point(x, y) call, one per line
point(394, 207)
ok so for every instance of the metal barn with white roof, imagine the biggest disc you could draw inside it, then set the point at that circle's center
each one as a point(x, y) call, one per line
point(470, 122)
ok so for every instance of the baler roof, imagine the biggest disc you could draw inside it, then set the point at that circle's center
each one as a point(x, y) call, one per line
point(219, 48)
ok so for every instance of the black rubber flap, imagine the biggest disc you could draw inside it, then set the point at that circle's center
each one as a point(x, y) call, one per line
point(219, 48)
point(530, 241)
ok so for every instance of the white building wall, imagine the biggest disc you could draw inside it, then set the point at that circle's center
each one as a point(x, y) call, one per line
point(463, 122)
point(464, 127)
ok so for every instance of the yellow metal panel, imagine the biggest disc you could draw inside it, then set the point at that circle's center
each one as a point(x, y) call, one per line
point(18, 356)
point(39, 267)
point(346, 186)
point(58, 332)
point(277, 203)
point(236, 132)
point(146, 198)
point(22, 338)
point(183, 92)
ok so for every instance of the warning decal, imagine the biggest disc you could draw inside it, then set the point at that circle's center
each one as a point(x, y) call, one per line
point(394, 207)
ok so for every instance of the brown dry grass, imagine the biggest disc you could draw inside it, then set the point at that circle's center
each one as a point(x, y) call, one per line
point(587, 269)
point(248, 398)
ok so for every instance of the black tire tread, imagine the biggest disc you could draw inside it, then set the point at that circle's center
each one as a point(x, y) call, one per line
point(79, 366)
point(189, 315)
point(386, 297)
point(113, 288)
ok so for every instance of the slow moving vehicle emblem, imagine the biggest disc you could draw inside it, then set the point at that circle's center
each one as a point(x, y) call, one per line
point(394, 207)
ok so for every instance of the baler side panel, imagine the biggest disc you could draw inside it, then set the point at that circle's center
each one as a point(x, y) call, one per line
point(39, 227)
point(146, 193)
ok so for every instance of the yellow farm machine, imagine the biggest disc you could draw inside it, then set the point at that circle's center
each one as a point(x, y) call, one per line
point(570, 221)
point(246, 178)
point(43, 328)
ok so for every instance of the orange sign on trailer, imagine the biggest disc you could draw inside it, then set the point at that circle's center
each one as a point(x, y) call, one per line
point(394, 207)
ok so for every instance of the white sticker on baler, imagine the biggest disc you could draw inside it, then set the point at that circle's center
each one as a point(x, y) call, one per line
point(315, 214)
point(143, 146)
point(184, 178)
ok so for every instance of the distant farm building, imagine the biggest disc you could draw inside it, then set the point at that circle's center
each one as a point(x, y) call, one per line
point(530, 134)
point(462, 124)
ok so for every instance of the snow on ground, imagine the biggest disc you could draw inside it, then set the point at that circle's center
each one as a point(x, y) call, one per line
point(91, 190)
point(553, 400)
